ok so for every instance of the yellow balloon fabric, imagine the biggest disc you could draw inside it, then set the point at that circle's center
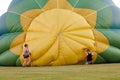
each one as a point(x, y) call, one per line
point(58, 38)
point(57, 33)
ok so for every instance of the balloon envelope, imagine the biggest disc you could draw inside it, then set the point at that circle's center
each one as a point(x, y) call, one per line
point(57, 31)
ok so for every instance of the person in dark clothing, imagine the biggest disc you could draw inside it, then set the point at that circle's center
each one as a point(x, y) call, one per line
point(26, 55)
point(88, 56)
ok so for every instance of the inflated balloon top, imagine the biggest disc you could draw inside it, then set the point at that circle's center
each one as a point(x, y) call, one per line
point(57, 31)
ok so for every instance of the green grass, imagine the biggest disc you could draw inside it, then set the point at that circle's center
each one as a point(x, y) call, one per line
point(72, 72)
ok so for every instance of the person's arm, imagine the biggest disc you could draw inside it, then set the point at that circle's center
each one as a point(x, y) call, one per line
point(86, 52)
point(93, 53)
point(29, 52)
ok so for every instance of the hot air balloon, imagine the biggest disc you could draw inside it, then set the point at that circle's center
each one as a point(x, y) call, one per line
point(57, 31)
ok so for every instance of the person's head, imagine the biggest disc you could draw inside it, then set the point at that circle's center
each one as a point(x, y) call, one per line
point(25, 45)
point(86, 49)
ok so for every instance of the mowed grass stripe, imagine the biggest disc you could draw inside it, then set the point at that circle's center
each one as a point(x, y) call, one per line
point(71, 72)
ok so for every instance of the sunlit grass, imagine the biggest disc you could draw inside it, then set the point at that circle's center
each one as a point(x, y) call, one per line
point(72, 72)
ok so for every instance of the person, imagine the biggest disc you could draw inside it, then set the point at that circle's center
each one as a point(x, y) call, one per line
point(88, 57)
point(26, 55)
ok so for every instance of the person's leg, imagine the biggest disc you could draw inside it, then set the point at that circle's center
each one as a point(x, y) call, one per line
point(86, 62)
point(29, 61)
point(89, 62)
point(24, 63)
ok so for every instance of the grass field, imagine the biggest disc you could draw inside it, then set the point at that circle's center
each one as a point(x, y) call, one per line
point(72, 72)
